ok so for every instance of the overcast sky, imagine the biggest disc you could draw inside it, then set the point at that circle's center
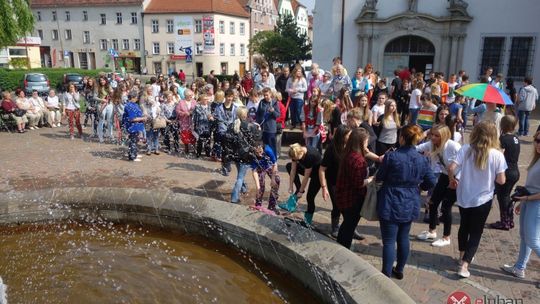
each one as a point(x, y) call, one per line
point(309, 3)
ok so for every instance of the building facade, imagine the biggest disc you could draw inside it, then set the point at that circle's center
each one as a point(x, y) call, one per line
point(219, 37)
point(81, 34)
point(430, 35)
point(263, 15)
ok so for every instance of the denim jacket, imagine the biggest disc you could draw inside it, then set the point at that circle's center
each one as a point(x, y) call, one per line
point(224, 119)
point(403, 173)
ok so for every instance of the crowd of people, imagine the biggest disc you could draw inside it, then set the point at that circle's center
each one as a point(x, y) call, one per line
point(357, 130)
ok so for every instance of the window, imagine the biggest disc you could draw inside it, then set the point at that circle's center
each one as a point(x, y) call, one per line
point(242, 49)
point(521, 57)
point(38, 16)
point(222, 27)
point(17, 52)
point(85, 16)
point(54, 34)
point(170, 25)
point(492, 54)
point(103, 18)
point(118, 18)
point(115, 44)
point(222, 49)
point(54, 16)
point(232, 50)
point(198, 48)
point(40, 34)
point(125, 44)
point(170, 47)
point(86, 37)
point(68, 16)
point(133, 18)
point(231, 28)
point(242, 28)
point(155, 26)
point(155, 48)
point(103, 44)
point(68, 34)
point(198, 26)
point(136, 44)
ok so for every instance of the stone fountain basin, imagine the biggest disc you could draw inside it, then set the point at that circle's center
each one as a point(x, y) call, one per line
point(333, 273)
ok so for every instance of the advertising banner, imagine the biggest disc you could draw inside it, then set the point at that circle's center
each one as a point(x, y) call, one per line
point(183, 27)
point(209, 34)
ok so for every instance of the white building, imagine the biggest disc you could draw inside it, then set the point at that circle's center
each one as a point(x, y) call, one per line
point(438, 35)
point(81, 33)
point(219, 40)
point(295, 9)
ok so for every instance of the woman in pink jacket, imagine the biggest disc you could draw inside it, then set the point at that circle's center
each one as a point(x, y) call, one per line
point(184, 109)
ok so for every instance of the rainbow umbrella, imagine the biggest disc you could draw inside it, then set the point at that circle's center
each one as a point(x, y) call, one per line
point(486, 93)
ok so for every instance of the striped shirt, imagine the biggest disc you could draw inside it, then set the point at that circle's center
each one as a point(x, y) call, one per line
point(426, 117)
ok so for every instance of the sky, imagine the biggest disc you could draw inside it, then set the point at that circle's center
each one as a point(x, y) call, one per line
point(310, 4)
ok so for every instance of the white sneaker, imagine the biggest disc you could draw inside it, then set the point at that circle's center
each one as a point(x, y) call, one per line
point(36, 127)
point(137, 160)
point(139, 156)
point(58, 124)
point(31, 128)
point(426, 235)
point(441, 243)
point(463, 273)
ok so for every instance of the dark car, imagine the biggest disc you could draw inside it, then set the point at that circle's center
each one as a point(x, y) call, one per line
point(76, 79)
point(38, 82)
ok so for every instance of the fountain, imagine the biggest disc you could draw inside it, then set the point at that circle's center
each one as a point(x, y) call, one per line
point(330, 272)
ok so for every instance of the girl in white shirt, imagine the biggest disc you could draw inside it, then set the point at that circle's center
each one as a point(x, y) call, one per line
point(442, 150)
point(415, 103)
point(481, 165)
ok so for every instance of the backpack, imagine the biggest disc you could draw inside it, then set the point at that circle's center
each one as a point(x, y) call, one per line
point(240, 146)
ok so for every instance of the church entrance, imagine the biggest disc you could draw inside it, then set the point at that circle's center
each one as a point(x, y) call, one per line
point(413, 52)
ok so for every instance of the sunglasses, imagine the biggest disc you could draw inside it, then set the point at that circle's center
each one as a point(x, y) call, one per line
point(537, 140)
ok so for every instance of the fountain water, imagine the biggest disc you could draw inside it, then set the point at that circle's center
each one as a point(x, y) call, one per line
point(330, 272)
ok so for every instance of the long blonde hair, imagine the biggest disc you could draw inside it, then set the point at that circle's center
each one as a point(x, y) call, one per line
point(445, 135)
point(387, 113)
point(536, 155)
point(483, 138)
point(241, 115)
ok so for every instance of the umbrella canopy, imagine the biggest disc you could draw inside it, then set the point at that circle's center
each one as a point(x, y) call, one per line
point(486, 93)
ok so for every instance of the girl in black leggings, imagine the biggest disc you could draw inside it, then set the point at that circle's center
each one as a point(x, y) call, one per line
point(511, 147)
point(305, 162)
point(328, 171)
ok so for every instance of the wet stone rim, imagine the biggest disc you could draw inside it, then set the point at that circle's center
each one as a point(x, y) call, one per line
point(332, 272)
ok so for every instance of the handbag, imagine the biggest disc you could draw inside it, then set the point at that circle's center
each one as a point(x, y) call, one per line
point(369, 208)
point(187, 137)
point(19, 112)
point(159, 123)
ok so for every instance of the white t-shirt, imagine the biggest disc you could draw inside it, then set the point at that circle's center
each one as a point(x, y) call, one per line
point(451, 94)
point(449, 154)
point(415, 102)
point(52, 102)
point(377, 111)
point(476, 186)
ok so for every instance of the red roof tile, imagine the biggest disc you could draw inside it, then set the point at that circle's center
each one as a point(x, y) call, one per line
point(72, 3)
point(226, 7)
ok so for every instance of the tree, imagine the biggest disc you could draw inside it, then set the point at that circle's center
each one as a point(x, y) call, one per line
point(285, 44)
point(16, 21)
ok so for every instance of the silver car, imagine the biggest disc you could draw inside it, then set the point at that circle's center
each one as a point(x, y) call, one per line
point(38, 82)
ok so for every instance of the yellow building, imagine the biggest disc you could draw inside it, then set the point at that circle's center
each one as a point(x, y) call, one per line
point(26, 50)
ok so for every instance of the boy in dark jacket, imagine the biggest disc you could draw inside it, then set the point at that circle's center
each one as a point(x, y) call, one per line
point(267, 113)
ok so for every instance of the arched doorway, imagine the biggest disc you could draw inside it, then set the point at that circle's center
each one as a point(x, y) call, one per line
point(408, 51)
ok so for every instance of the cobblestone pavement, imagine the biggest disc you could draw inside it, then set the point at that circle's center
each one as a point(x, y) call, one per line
point(48, 158)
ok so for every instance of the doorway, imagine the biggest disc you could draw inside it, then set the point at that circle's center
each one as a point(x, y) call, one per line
point(199, 68)
point(408, 52)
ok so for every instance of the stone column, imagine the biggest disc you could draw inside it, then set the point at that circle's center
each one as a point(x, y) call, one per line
point(460, 47)
point(363, 49)
point(445, 54)
point(453, 54)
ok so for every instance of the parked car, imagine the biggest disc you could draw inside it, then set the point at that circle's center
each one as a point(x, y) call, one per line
point(36, 81)
point(76, 79)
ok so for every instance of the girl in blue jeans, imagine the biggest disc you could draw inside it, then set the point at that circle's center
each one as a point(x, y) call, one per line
point(404, 172)
point(529, 216)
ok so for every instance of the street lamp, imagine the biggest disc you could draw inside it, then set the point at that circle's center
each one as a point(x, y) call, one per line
point(250, 9)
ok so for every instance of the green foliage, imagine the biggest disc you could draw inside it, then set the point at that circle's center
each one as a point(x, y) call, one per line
point(12, 79)
point(285, 44)
point(19, 63)
point(16, 21)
